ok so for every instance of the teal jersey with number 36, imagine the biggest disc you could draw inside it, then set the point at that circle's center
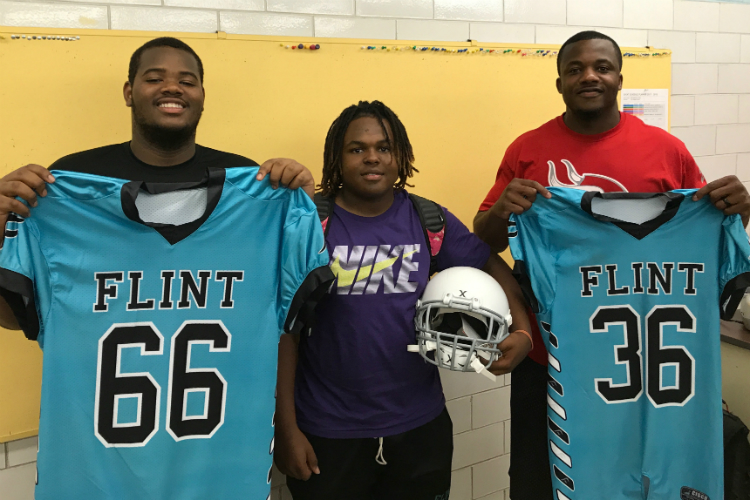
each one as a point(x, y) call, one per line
point(629, 289)
point(160, 340)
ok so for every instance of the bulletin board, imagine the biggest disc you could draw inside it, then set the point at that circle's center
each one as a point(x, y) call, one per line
point(462, 104)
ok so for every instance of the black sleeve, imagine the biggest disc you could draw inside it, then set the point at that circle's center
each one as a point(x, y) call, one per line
point(522, 277)
point(732, 295)
point(18, 292)
point(311, 291)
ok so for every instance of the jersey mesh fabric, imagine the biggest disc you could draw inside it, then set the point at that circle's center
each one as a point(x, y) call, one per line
point(632, 157)
point(176, 207)
point(630, 315)
point(159, 358)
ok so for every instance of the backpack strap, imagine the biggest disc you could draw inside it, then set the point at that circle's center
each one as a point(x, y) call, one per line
point(324, 205)
point(432, 217)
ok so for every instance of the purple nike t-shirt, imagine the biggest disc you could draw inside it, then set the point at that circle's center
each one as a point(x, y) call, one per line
point(355, 378)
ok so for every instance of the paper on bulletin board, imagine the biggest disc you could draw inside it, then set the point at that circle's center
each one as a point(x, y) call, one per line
point(650, 105)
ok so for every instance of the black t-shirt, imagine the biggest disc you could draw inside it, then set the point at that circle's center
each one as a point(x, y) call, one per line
point(117, 160)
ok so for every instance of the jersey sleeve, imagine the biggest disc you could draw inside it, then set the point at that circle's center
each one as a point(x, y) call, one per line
point(24, 276)
point(460, 246)
point(305, 275)
point(534, 265)
point(734, 268)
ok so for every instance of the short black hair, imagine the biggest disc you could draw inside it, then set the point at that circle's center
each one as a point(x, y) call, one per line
point(588, 35)
point(334, 146)
point(165, 41)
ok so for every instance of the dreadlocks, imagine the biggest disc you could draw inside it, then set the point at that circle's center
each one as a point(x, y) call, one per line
point(400, 145)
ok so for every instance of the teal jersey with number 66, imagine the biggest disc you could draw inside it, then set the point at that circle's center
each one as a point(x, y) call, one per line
point(160, 339)
point(629, 289)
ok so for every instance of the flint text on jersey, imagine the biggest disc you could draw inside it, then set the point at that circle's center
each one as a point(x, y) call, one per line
point(658, 278)
point(193, 292)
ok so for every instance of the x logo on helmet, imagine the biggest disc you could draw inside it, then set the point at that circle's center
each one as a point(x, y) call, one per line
point(463, 293)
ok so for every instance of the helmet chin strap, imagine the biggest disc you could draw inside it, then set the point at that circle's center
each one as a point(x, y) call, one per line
point(475, 363)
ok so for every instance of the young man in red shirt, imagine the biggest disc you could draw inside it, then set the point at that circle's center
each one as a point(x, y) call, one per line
point(595, 147)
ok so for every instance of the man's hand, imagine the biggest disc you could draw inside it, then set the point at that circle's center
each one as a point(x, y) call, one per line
point(26, 182)
point(294, 455)
point(289, 173)
point(514, 349)
point(729, 195)
point(518, 197)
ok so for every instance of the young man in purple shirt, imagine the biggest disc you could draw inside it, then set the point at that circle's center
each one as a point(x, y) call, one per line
point(370, 420)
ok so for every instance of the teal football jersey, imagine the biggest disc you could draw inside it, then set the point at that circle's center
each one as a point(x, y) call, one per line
point(160, 341)
point(629, 289)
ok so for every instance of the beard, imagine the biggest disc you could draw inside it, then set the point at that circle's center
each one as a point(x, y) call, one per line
point(165, 139)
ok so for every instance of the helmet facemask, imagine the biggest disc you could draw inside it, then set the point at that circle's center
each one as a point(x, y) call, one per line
point(458, 334)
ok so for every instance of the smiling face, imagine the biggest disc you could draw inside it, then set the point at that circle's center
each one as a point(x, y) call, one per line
point(368, 166)
point(166, 96)
point(590, 77)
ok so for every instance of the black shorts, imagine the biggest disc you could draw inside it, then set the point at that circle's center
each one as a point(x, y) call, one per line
point(418, 466)
point(530, 477)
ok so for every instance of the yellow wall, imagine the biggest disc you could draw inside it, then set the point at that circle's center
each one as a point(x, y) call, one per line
point(263, 101)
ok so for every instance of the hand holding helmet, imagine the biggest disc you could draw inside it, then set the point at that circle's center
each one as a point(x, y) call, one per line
point(461, 318)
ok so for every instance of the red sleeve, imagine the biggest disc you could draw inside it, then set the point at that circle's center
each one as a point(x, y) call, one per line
point(692, 177)
point(505, 174)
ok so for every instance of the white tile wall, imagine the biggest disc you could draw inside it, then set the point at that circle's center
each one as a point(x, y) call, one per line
point(535, 11)
point(732, 138)
point(490, 407)
point(683, 110)
point(396, 8)
point(417, 29)
point(745, 48)
point(696, 16)
point(606, 13)
point(478, 445)
point(456, 385)
point(715, 167)
point(491, 476)
point(213, 4)
point(700, 140)
point(352, 27)
point(717, 47)
point(743, 166)
point(262, 23)
point(335, 7)
point(681, 43)
point(22, 451)
point(498, 495)
point(53, 15)
point(162, 19)
point(558, 35)
point(744, 116)
point(505, 33)
point(461, 484)
point(716, 108)
point(460, 412)
point(734, 18)
point(649, 14)
point(469, 10)
point(734, 79)
point(695, 78)
point(17, 483)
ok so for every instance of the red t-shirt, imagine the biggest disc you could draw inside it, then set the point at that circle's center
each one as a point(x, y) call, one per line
point(632, 157)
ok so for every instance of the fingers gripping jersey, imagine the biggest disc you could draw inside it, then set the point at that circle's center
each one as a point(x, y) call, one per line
point(160, 341)
point(630, 316)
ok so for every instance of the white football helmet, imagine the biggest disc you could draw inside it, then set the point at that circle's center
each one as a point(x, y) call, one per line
point(462, 316)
